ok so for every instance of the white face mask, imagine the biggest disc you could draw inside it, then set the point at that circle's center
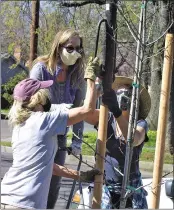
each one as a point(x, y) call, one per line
point(69, 58)
point(124, 98)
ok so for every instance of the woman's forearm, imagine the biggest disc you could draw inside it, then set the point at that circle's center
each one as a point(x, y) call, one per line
point(123, 125)
point(65, 172)
point(90, 98)
point(139, 134)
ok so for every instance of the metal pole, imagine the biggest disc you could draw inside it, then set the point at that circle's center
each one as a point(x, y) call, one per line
point(103, 117)
point(73, 185)
point(95, 55)
point(142, 50)
point(162, 122)
point(133, 115)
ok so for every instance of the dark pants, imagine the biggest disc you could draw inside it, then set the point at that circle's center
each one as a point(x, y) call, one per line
point(115, 200)
point(56, 180)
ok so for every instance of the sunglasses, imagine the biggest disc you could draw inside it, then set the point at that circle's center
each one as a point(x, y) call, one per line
point(71, 49)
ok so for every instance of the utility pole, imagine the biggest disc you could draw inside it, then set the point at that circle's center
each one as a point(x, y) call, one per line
point(33, 30)
point(109, 65)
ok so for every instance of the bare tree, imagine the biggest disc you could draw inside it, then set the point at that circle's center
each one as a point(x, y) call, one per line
point(157, 61)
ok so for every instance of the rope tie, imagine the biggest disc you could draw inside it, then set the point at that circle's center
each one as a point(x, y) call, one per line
point(134, 84)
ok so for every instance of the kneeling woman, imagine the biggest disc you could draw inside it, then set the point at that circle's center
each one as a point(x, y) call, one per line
point(26, 184)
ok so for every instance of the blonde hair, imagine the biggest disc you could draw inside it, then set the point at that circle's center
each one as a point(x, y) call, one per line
point(21, 111)
point(53, 57)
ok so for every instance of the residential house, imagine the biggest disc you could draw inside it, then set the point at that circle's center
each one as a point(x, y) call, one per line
point(10, 66)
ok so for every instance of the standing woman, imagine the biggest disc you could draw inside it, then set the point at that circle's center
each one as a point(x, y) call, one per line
point(65, 65)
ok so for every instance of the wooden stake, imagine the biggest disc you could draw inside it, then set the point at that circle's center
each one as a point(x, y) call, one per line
point(162, 121)
point(101, 147)
point(109, 65)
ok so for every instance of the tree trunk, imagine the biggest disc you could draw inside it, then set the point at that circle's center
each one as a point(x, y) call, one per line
point(155, 87)
point(33, 30)
point(156, 66)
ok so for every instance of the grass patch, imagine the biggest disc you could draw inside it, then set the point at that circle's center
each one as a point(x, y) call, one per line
point(86, 150)
point(6, 143)
point(148, 155)
point(152, 139)
point(90, 138)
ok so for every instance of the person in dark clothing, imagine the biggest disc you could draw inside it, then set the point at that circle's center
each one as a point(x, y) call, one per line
point(118, 119)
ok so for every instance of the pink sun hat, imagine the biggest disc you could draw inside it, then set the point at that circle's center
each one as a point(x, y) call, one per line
point(28, 87)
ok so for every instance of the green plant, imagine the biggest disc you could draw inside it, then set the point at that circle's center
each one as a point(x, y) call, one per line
point(4, 111)
point(8, 87)
point(152, 139)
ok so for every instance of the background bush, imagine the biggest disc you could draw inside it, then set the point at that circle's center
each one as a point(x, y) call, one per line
point(7, 89)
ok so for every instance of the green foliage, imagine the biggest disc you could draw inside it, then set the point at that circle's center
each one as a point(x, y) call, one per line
point(11, 47)
point(131, 12)
point(7, 88)
point(15, 27)
point(13, 66)
point(8, 97)
point(4, 111)
point(152, 139)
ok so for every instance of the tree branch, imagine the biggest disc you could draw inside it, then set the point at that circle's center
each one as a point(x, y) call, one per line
point(128, 24)
point(165, 32)
point(122, 61)
point(82, 3)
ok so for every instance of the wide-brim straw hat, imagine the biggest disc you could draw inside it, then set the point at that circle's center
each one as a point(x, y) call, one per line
point(145, 100)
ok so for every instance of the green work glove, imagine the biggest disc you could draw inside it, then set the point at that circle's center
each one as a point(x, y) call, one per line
point(93, 69)
point(89, 176)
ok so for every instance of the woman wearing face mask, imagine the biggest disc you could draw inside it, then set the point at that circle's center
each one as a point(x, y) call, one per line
point(119, 99)
point(65, 65)
point(26, 184)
